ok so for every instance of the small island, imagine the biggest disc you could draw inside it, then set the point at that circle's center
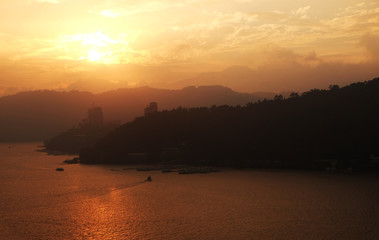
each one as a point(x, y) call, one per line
point(75, 160)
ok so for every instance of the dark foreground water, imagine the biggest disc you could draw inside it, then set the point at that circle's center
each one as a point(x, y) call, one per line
point(93, 202)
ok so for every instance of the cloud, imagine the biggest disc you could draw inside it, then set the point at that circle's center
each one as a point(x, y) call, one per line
point(244, 1)
point(371, 44)
point(115, 9)
point(153, 27)
point(46, 1)
point(285, 70)
point(302, 12)
point(190, 34)
point(110, 13)
point(355, 20)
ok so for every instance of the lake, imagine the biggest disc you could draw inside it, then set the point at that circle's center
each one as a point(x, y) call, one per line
point(107, 202)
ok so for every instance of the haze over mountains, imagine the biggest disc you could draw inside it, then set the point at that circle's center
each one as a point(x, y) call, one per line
point(285, 76)
point(38, 115)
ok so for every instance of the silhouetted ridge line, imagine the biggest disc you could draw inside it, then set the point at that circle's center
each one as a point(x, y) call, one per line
point(39, 115)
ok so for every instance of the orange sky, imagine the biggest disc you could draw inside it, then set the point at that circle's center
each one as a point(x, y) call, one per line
point(102, 44)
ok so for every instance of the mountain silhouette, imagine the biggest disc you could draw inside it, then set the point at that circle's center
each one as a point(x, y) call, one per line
point(234, 76)
point(291, 76)
point(38, 115)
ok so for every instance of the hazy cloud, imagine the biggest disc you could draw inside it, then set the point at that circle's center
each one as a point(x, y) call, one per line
point(244, 1)
point(302, 12)
point(47, 47)
point(371, 44)
point(46, 1)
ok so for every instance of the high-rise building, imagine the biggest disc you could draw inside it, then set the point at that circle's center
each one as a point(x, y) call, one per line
point(95, 117)
point(151, 108)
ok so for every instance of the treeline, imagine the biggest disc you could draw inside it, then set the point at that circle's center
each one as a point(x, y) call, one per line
point(338, 124)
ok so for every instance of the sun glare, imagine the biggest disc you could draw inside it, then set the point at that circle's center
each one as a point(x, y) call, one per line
point(96, 39)
point(94, 55)
point(94, 47)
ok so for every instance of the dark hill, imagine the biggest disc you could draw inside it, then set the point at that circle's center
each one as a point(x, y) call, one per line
point(38, 115)
point(302, 131)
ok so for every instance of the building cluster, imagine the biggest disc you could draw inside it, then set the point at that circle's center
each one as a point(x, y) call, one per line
point(95, 117)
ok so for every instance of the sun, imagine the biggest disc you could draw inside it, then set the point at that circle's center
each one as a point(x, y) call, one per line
point(95, 47)
point(97, 39)
point(99, 46)
point(94, 55)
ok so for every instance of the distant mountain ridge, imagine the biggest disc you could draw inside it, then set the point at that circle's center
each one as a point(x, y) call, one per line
point(235, 76)
point(289, 77)
point(38, 115)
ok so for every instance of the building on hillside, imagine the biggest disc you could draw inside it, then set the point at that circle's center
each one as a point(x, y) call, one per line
point(151, 108)
point(95, 117)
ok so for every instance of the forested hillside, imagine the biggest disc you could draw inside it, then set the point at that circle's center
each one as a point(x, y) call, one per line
point(338, 123)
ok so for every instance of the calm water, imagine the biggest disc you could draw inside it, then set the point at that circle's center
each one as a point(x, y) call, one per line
point(93, 202)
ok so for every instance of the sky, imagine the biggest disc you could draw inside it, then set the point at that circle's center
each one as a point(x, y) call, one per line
point(98, 45)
